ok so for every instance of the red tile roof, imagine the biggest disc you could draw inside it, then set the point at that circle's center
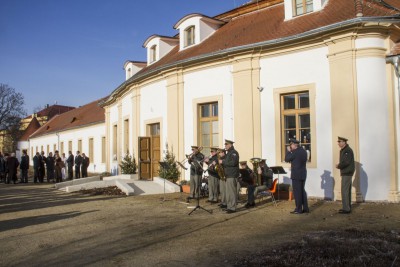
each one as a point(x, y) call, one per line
point(266, 25)
point(85, 115)
point(32, 127)
point(53, 110)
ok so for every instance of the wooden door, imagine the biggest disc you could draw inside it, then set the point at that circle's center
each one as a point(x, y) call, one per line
point(144, 158)
point(155, 154)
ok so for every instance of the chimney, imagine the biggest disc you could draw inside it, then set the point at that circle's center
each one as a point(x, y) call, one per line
point(359, 8)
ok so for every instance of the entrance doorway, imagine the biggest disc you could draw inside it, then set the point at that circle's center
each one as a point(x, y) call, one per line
point(149, 152)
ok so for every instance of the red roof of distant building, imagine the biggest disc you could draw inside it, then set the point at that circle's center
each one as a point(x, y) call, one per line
point(32, 127)
point(53, 110)
point(85, 115)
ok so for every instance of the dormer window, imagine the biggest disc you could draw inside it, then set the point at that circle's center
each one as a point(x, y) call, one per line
point(189, 36)
point(153, 53)
point(302, 7)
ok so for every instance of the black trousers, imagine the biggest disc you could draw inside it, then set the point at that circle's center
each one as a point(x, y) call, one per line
point(300, 195)
point(77, 171)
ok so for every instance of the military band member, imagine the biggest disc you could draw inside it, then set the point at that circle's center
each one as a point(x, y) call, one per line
point(266, 180)
point(196, 171)
point(246, 176)
point(213, 177)
point(230, 164)
point(222, 182)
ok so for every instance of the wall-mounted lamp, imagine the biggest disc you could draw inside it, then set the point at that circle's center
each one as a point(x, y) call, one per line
point(260, 88)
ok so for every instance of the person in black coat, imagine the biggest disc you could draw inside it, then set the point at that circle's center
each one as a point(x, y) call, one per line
point(12, 167)
point(297, 156)
point(42, 173)
point(85, 165)
point(78, 162)
point(36, 167)
point(70, 165)
point(24, 166)
point(50, 164)
point(2, 168)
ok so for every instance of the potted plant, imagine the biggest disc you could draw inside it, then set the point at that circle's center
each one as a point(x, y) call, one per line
point(185, 186)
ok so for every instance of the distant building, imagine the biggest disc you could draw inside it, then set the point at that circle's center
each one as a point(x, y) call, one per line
point(80, 129)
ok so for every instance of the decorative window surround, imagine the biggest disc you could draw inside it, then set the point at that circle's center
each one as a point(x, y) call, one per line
point(163, 44)
point(291, 14)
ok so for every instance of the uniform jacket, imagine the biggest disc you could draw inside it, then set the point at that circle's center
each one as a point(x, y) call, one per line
point(298, 160)
point(211, 167)
point(346, 161)
point(199, 157)
point(231, 163)
point(266, 176)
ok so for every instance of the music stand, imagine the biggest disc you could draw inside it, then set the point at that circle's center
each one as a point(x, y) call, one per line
point(278, 170)
point(165, 167)
point(197, 165)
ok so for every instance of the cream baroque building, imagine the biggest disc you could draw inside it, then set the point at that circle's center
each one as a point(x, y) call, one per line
point(265, 72)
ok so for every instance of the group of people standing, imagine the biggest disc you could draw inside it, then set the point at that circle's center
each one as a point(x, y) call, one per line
point(9, 168)
point(58, 166)
point(226, 179)
point(55, 166)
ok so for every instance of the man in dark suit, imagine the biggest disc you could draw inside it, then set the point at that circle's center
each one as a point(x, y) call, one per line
point(12, 167)
point(85, 165)
point(24, 166)
point(297, 156)
point(78, 162)
point(36, 167)
point(70, 163)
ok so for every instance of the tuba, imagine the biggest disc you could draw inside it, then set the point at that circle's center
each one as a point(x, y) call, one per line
point(220, 170)
point(256, 164)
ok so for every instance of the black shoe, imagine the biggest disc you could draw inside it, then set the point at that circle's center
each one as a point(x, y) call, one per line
point(230, 211)
point(306, 211)
point(295, 212)
point(213, 201)
point(344, 211)
point(223, 206)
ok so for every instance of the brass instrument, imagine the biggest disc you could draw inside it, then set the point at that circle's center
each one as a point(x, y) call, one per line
point(219, 168)
point(187, 157)
point(256, 164)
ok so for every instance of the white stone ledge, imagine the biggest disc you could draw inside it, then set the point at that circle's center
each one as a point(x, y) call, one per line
point(77, 182)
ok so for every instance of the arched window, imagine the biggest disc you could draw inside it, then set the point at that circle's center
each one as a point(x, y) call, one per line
point(189, 36)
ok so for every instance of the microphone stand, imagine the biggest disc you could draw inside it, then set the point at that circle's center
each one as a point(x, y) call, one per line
point(197, 165)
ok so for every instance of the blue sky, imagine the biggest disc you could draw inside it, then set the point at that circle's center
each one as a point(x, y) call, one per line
point(72, 51)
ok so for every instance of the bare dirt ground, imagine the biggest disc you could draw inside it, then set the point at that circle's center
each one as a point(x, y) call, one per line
point(40, 226)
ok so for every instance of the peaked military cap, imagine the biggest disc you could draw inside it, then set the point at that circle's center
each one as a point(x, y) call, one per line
point(293, 141)
point(342, 139)
point(229, 142)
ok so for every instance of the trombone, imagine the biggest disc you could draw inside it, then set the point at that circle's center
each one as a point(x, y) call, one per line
point(187, 157)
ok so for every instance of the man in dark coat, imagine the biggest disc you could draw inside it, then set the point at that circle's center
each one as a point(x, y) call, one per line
point(78, 162)
point(12, 167)
point(85, 165)
point(50, 164)
point(42, 169)
point(70, 163)
point(196, 171)
point(36, 167)
point(230, 163)
point(297, 156)
point(24, 166)
point(2, 169)
point(347, 168)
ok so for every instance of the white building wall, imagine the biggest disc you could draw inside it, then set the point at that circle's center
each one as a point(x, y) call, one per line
point(373, 128)
point(294, 69)
point(217, 83)
point(96, 132)
point(21, 145)
point(154, 106)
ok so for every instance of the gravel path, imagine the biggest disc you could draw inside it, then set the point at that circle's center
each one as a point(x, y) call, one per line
point(40, 226)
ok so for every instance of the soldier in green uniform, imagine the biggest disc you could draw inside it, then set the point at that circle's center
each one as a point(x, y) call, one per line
point(346, 166)
point(230, 164)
